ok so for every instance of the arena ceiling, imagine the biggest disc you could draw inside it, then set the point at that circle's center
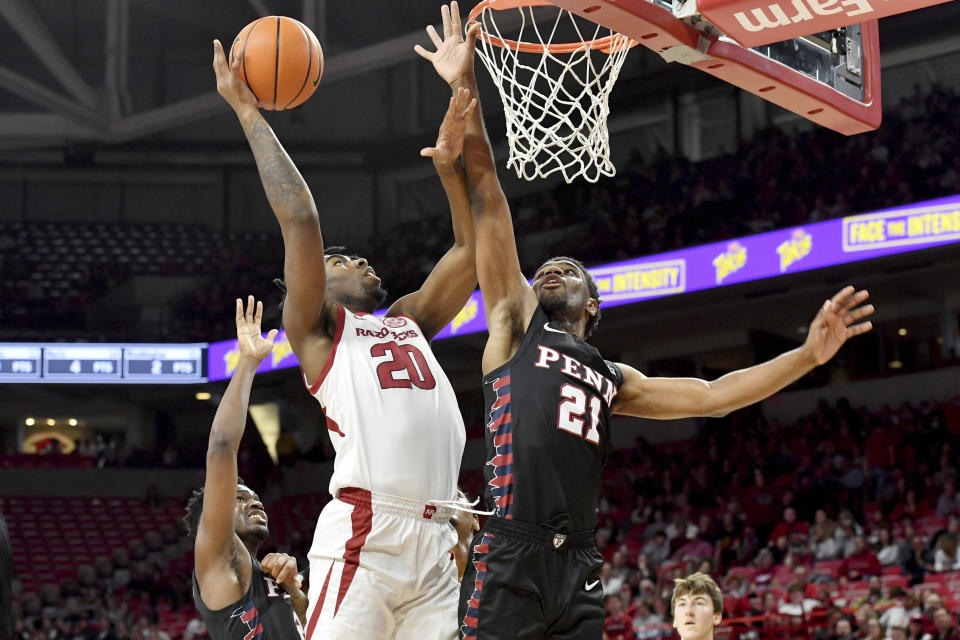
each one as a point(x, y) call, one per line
point(116, 72)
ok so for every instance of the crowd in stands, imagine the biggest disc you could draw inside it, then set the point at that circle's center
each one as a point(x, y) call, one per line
point(53, 274)
point(845, 516)
point(845, 524)
point(772, 180)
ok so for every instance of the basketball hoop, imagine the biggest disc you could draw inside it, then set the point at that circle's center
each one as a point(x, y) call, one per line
point(555, 95)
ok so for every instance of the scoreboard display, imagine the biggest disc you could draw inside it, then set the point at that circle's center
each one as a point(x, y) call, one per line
point(102, 363)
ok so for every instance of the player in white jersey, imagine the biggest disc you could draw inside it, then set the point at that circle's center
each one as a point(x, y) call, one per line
point(380, 564)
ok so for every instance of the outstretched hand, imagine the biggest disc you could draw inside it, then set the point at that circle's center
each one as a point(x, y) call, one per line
point(449, 144)
point(229, 83)
point(453, 58)
point(249, 339)
point(834, 323)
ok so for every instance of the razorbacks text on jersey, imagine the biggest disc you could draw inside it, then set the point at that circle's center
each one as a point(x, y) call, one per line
point(392, 413)
point(548, 429)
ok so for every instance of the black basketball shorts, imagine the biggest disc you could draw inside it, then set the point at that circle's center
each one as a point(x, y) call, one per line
point(526, 583)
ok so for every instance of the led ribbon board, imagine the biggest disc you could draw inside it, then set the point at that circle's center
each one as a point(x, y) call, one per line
point(102, 363)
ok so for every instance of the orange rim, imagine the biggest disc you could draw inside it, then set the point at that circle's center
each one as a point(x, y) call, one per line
point(605, 44)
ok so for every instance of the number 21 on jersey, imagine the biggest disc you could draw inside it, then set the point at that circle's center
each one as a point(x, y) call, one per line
point(573, 408)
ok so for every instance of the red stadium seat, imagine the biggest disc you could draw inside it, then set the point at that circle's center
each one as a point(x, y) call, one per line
point(828, 567)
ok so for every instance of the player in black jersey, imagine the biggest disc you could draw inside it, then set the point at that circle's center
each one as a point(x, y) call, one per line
point(238, 597)
point(549, 398)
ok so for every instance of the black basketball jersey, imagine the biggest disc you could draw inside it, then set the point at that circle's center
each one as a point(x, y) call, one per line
point(548, 429)
point(263, 613)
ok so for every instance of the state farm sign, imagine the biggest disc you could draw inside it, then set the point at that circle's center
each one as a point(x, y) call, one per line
point(756, 22)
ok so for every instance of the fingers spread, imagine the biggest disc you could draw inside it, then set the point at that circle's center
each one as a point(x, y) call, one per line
point(239, 310)
point(858, 313)
point(217, 55)
point(259, 314)
point(455, 18)
point(423, 53)
point(856, 299)
point(437, 41)
point(842, 295)
point(859, 329)
point(445, 15)
point(249, 308)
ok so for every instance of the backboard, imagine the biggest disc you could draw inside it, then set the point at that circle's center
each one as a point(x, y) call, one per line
point(831, 77)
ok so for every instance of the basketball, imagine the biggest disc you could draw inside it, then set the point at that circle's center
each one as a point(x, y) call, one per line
point(280, 60)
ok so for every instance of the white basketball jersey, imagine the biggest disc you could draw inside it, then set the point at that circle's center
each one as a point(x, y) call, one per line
point(392, 414)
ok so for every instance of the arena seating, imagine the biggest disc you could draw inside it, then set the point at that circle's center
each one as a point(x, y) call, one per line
point(121, 540)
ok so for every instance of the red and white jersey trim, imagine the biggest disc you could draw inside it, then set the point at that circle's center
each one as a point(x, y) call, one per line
point(312, 388)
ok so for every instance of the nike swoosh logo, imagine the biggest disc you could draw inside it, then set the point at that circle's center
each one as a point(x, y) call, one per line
point(547, 326)
point(591, 585)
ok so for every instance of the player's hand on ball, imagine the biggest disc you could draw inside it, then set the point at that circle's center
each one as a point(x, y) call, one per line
point(453, 58)
point(450, 139)
point(283, 568)
point(229, 84)
point(249, 339)
point(834, 323)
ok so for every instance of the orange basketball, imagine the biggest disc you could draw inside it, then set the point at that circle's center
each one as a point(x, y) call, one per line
point(280, 60)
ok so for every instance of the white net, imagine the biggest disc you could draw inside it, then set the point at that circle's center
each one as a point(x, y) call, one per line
point(556, 102)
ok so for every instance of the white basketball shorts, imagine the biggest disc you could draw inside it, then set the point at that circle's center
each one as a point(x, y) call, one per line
point(380, 568)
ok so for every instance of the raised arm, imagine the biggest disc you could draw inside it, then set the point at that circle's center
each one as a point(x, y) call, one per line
point(667, 398)
point(508, 298)
point(219, 556)
point(453, 279)
point(306, 317)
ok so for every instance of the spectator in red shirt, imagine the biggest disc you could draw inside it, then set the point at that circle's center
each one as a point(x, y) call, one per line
point(946, 628)
point(908, 508)
point(695, 547)
point(861, 563)
point(801, 574)
point(915, 628)
point(618, 624)
point(759, 503)
point(790, 528)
